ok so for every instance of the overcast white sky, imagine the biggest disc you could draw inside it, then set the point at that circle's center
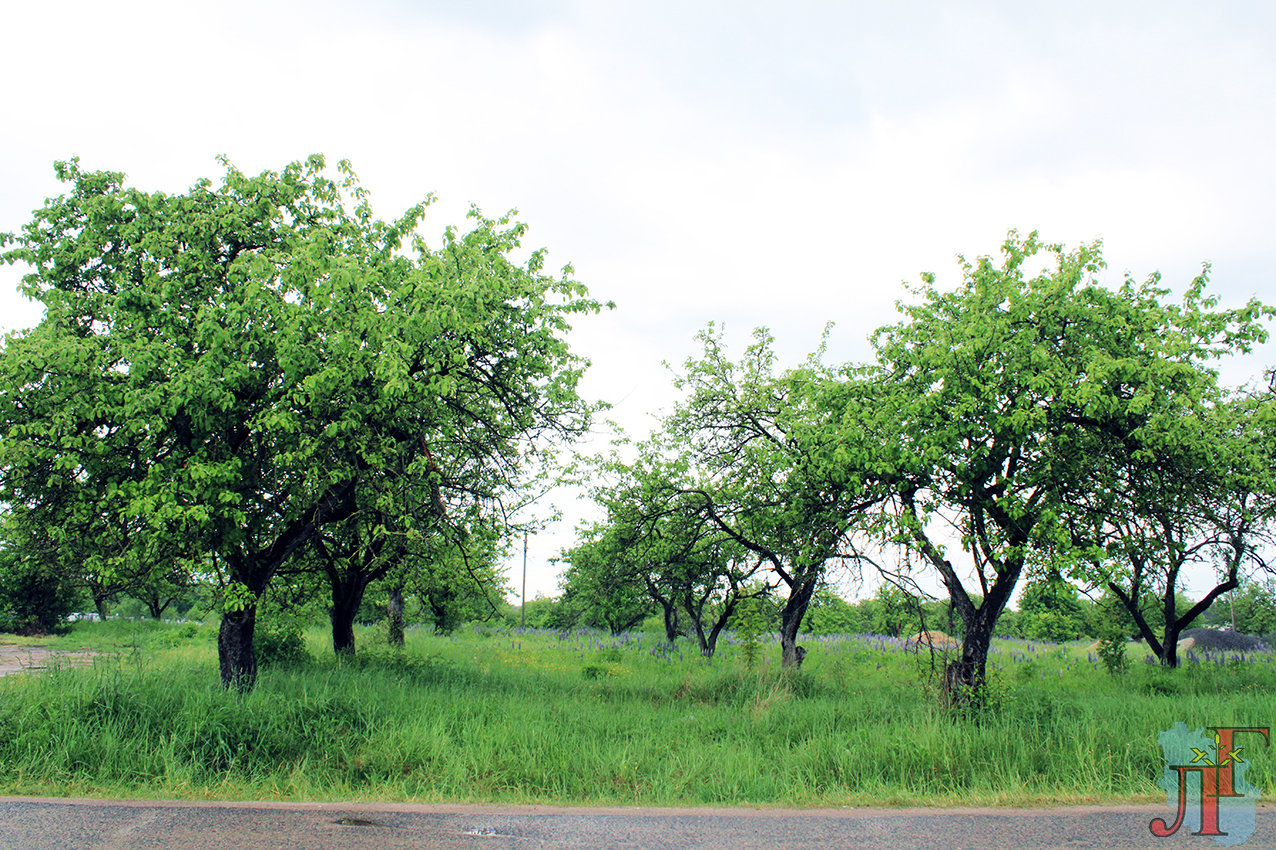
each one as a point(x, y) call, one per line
point(748, 163)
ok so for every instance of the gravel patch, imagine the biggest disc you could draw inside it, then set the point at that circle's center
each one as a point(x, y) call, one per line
point(18, 659)
point(1221, 640)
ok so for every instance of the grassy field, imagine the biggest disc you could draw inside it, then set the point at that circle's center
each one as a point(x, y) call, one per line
point(508, 716)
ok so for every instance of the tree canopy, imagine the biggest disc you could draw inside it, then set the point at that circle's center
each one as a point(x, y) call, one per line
point(1003, 403)
point(229, 370)
point(741, 471)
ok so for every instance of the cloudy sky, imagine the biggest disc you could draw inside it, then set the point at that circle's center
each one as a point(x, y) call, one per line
point(747, 163)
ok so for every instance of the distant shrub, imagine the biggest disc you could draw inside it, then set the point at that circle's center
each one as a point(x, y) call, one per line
point(1112, 653)
point(750, 628)
point(280, 647)
point(33, 599)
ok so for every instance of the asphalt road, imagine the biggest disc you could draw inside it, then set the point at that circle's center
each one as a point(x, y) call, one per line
point(55, 824)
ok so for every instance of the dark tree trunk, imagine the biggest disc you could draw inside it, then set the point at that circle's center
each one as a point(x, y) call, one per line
point(157, 604)
point(1131, 603)
point(720, 624)
point(235, 652)
point(964, 679)
point(670, 611)
point(695, 612)
point(671, 628)
point(702, 640)
point(347, 596)
point(1166, 648)
point(349, 575)
point(395, 614)
point(709, 641)
point(1170, 646)
point(621, 626)
point(252, 571)
point(799, 600)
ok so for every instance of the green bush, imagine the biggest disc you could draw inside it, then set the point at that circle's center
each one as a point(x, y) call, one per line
point(1112, 653)
point(280, 647)
point(33, 599)
point(750, 628)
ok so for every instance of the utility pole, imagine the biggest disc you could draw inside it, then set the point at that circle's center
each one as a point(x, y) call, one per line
point(523, 612)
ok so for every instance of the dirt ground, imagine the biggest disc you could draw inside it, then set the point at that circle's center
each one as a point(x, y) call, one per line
point(16, 659)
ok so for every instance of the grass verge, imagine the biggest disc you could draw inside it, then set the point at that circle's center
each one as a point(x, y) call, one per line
point(538, 717)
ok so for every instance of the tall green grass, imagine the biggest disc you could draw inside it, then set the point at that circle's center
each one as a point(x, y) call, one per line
point(537, 717)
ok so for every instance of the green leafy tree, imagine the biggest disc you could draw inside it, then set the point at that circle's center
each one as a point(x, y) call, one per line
point(1250, 608)
point(373, 543)
point(1050, 609)
point(1194, 483)
point(601, 586)
point(33, 599)
point(750, 450)
point(893, 611)
point(240, 366)
point(107, 555)
point(751, 627)
point(538, 613)
point(665, 538)
point(830, 614)
point(459, 577)
point(999, 402)
point(166, 590)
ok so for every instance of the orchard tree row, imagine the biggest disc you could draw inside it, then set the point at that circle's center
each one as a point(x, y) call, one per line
point(1019, 425)
point(258, 383)
point(1049, 609)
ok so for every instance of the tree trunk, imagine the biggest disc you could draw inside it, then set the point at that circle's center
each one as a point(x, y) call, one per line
point(706, 651)
point(347, 595)
point(235, 652)
point(720, 624)
point(791, 654)
point(395, 613)
point(964, 679)
point(157, 604)
point(252, 571)
point(1175, 625)
point(708, 641)
point(1170, 646)
point(800, 594)
point(671, 620)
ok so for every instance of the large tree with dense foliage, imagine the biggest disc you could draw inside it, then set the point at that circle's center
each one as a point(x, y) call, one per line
point(35, 595)
point(603, 584)
point(242, 365)
point(996, 403)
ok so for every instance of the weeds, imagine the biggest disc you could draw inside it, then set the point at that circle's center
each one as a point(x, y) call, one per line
point(1112, 653)
point(516, 716)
